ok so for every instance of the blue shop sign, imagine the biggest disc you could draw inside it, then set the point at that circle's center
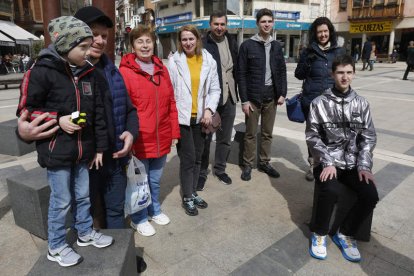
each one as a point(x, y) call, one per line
point(200, 24)
point(290, 15)
point(234, 24)
point(178, 18)
point(174, 18)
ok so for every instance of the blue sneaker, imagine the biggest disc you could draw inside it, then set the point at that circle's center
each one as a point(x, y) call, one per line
point(348, 247)
point(318, 246)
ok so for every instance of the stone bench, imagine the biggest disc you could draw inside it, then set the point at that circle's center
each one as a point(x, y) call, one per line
point(11, 79)
point(10, 143)
point(29, 194)
point(119, 259)
point(343, 206)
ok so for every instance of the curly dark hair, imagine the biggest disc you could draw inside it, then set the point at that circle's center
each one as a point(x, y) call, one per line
point(321, 21)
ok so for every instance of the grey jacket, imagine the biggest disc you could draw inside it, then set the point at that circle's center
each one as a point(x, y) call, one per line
point(340, 131)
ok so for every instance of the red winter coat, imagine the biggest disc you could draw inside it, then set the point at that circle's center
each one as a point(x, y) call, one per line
point(153, 96)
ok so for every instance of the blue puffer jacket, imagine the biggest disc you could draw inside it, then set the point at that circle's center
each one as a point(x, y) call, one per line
point(315, 67)
point(121, 115)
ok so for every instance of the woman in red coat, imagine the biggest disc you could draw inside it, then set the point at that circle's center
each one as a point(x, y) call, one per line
point(150, 89)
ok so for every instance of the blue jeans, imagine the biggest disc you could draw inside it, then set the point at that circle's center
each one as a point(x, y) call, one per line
point(69, 186)
point(110, 182)
point(154, 168)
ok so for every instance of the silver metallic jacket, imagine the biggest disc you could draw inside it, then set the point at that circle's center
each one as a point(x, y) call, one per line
point(340, 131)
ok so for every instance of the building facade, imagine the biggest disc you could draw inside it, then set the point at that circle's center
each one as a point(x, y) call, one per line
point(388, 23)
point(129, 14)
point(293, 18)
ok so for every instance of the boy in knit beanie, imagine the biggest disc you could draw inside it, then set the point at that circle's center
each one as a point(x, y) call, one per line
point(62, 82)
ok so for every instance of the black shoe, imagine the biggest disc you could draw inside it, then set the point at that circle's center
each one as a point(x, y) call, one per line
point(199, 202)
point(246, 173)
point(223, 177)
point(269, 170)
point(405, 79)
point(189, 207)
point(201, 182)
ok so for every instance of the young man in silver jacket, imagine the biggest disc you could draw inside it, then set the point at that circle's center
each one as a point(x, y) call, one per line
point(341, 136)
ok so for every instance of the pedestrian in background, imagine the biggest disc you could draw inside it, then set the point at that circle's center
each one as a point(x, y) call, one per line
point(357, 53)
point(314, 68)
point(219, 43)
point(372, 56)
point(193, 74)
point(149, 86)
point(262, 83)
point(410, 59)
point(366, 54)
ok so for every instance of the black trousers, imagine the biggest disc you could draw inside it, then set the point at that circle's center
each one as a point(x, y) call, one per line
point(223, 140)
point(329, 191)
point(407, 71)
point(189, 149)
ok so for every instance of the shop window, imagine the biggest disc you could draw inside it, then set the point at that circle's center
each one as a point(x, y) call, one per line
point(197, 8)
point(342, 5)
point(248, 7)
point(163, 7)
point(357, 3)
point(392, 2)
point(233, 7)
point(379, 2)
point(293, 1)
point(367, 3)
point(314, 11)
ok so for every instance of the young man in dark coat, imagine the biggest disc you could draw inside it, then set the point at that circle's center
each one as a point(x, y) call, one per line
point(261, 76)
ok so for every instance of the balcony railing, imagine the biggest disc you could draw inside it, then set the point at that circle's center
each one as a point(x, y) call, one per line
point(389, 11)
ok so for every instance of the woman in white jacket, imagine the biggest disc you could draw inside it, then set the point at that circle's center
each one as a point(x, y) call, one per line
point(193, 73)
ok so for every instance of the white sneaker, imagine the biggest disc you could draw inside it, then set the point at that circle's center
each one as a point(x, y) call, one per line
point(161, 219)
point(318, 246)
point(144, 228)
point(348, 247)
point(96, 239)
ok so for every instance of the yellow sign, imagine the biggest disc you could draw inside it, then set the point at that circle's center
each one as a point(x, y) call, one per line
point(371, 27)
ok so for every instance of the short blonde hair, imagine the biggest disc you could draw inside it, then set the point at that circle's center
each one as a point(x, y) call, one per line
point(192, 29)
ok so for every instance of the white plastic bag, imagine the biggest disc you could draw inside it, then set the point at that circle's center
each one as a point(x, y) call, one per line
point(137, 193)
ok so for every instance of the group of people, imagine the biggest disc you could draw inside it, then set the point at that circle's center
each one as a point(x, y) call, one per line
point(17, 63)
point(145, 108)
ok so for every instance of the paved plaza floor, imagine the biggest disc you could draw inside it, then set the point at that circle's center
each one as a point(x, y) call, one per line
point(260, 227)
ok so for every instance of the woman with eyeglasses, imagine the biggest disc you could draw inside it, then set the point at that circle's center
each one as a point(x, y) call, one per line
point(151, 92)
point(197, 92)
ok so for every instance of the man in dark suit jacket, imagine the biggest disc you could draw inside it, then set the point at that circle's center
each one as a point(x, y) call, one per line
point(223, 48)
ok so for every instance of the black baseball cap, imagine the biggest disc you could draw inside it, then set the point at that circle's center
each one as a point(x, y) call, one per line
point(91, 14)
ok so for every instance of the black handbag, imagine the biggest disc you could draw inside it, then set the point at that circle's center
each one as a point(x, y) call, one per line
point(294, 109)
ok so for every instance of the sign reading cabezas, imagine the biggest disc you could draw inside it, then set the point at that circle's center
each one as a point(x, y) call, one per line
point(371, 27)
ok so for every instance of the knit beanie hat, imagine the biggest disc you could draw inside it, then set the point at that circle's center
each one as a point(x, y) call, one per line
point(66, 32)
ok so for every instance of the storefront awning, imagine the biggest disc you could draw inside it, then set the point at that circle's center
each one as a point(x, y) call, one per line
point(19, 35)
point(5, 41)
point(406, 23)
